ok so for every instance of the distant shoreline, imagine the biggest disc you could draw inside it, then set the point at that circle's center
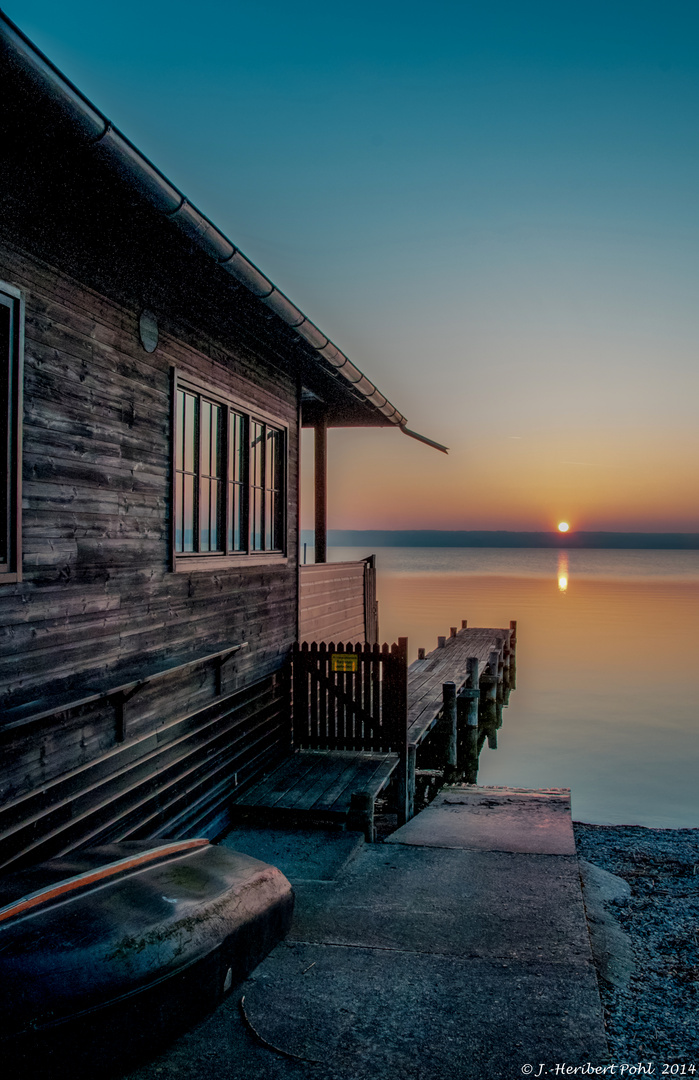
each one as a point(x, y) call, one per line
point(506, 539)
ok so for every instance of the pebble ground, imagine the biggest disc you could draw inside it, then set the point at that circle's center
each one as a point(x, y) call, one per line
point(656, 1019)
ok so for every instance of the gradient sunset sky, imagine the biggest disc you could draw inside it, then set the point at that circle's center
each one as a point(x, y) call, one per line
point(492, 208)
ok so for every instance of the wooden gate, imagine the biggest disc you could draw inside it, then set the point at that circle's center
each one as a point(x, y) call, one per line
point(351, 697)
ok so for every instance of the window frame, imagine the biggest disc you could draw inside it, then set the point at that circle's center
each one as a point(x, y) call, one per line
point(11, 453)
point(183, 561)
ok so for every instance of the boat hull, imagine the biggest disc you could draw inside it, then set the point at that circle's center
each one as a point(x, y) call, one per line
point(109, 953)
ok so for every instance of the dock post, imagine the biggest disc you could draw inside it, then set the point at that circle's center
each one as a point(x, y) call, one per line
point(452, 631)
point(467, 710)
point(489, 690)
point(506, 661)
point(449, 714)
point(474, 683)
point(399, 696)
point(441, 642)
point(513, 655)
point(412, 766)
point(464, 624)
point(421, 654)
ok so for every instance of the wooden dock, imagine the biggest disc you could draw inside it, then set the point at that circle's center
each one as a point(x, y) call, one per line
point(449, 662)
point(466, 679)
point(348, 743)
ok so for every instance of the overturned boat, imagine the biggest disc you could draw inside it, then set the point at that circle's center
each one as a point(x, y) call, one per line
point(108, 953)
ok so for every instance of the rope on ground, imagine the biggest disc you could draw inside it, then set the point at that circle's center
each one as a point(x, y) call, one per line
point(265, 1042)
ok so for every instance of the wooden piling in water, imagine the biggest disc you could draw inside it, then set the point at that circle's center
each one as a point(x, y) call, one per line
point(449, 714)
point(471, 694)
point(512, 674)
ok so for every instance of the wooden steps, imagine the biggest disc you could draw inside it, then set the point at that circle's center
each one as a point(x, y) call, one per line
point(322, 785)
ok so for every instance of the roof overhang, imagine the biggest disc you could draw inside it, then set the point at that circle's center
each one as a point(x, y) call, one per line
point(73, 182)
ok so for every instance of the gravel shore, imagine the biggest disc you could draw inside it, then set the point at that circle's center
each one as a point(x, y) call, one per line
point(654, 1018)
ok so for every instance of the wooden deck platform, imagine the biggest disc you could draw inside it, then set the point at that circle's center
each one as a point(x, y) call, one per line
point(321, 784)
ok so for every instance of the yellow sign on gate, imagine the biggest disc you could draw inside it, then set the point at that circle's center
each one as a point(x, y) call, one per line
point(344, 661)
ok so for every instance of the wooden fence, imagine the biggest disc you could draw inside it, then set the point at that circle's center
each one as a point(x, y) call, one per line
point(351, 697)
point(338, 601)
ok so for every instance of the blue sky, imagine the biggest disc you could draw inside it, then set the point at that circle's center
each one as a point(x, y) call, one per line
point(492, 208)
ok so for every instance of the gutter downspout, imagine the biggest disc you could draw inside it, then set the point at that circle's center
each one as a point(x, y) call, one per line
point(423, 439)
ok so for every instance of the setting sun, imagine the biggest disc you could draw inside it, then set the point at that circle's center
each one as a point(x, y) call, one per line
point(563, 526)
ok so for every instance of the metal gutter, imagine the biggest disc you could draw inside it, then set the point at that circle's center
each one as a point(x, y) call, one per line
point(92, 128)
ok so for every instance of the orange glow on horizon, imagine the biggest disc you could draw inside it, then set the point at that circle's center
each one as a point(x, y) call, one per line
point(378, 479)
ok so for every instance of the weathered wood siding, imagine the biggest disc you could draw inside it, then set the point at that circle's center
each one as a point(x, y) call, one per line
point(168, 778)
point(98, 599)
point(337, 603)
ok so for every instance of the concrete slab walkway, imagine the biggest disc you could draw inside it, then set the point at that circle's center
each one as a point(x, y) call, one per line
point(494, 819)
point(419, 958)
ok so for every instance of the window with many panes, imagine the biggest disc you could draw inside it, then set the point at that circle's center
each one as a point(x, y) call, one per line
point(11, 316)
point(229, 478)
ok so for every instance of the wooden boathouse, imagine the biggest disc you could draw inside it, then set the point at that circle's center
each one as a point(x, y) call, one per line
point(154, 384)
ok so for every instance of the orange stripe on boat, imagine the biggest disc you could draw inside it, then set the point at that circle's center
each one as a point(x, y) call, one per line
point(33, 900)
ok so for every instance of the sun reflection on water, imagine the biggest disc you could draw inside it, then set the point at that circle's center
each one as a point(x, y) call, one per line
point(562, 571)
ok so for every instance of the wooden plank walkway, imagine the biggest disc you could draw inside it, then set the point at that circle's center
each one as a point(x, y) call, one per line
point(448, 663)
point(321, 784)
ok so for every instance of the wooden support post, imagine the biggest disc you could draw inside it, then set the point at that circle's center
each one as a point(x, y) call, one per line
point(464, 624)
point(468, 707)
point(421, 654)
point(412, 766)
point(361, 815)
point(400, 703)
point(321, 491)
point(472, 668)
point(452, 631)
point(489, 691)
point(371, 608)
point(467, 717)
point(470, 770)
point(441, 642)
point(449, 717)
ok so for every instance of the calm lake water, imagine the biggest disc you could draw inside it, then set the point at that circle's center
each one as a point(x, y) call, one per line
point(606, 698)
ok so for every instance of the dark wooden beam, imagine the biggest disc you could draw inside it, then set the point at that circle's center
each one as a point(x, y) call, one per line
point(321, 491)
